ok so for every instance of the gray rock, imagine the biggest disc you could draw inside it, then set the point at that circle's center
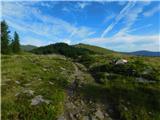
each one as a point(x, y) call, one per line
point(61, 118)
point(39, 99)
point(71, 116)
point(62, 68)
point(44, 69)
point(17, 82)
point(30, 92)
point(28, 84)
point(99, 114)
point(93, 118)
point(85, 118)
point(51, 83)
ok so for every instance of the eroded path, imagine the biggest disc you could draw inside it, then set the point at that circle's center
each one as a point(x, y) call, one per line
point(76, 107)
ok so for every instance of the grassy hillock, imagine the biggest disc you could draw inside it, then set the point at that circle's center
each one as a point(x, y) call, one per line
point(63, 49)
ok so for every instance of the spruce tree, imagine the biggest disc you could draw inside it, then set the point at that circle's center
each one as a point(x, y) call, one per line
point(15, 43)
point(4, 38)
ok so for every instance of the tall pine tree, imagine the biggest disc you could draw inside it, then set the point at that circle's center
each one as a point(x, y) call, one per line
point(15, 43)
point(4, 38)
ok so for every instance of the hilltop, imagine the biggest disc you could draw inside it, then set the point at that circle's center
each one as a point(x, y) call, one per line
point(79, 82)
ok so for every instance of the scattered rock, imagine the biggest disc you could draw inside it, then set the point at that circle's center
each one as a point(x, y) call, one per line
point(17, 94)
point(143, 80)
point(125, 108)
point(61, 118)
point(93, 118)
point(17, 82)
point(51, 83)
point(30, 92)
point(85, 118)
point(71, 116)
point(28, 84)
point(121, 61)
point(39, 79)
point(39, 99)
point(62, 68)
point(99, 114)
point(44, 69)
point(106, 114)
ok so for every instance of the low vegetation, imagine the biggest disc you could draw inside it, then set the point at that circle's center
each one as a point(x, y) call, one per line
point(24, 77)
point(35, 85)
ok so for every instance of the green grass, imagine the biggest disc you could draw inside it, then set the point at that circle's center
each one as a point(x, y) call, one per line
point(33, 73)
point(49, 75)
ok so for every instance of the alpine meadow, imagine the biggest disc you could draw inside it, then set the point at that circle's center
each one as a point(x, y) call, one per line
point(80, 60)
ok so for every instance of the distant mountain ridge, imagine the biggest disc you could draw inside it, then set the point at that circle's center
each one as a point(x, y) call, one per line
point(144, 53)
point(28, 47)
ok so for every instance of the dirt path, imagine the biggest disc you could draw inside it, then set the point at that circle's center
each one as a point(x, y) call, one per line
point(75, 107)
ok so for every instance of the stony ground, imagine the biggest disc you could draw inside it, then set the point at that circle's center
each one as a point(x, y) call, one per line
point(51, 87)
point(77, 108)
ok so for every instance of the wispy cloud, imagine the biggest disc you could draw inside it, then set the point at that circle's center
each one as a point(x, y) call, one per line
point(152, 11)
point(109, 17)
point(82, 5)
point(121, 15)
point(128, 40)
point(54, 28)
point(139, 28)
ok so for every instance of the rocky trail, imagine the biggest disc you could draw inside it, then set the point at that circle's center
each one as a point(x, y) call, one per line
point(76, 108)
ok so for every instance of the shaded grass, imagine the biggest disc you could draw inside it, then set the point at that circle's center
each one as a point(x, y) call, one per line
point(128, 102)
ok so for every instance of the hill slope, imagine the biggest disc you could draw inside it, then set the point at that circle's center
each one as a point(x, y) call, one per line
point(145, 53)
point(87, 85)
point(28, 47)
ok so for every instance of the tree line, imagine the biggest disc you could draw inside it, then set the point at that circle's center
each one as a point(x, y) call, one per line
point(8, 44)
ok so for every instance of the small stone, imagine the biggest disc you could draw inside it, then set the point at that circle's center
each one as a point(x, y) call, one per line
point(99, 114)
point(62, 68)
point(39, 99)
point(44, 69)
point(61, 118)
point(17, 94)
point(71, 116)
point(30, 92)
point(17, 82)
point(51, 83)
point(106, 114)
point(125, 108)
point(150, 113)
point(85, 118)
point(28, 84)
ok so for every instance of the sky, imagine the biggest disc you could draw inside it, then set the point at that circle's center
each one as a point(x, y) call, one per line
point(120, 26)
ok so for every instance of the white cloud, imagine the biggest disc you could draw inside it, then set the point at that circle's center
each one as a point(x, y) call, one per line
point(82, 5)
point(121, 3)
point(139, 28)
point(109, 17)
point(126, 42)
point(129, 14)
point(48, 26)
point(66, 41)
point(121, 15)
point(65, 9)
point(152, 11)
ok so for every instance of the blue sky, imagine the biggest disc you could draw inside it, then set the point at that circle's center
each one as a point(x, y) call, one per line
point(119, 26)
